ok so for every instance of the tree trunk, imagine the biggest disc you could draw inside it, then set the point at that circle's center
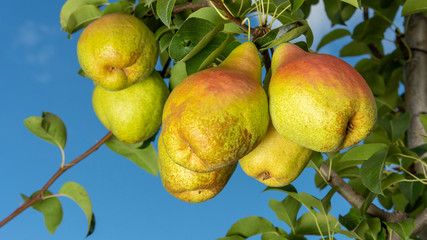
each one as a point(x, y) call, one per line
point(415, 74)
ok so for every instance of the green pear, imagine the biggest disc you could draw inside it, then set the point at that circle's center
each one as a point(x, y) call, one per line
point(276, 161)
point(318, 100)
point(216, 116)
point(188, 185)
point(134, 113)
point(117, 50)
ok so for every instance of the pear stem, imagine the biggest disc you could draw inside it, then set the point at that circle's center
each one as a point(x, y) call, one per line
point(39, 196)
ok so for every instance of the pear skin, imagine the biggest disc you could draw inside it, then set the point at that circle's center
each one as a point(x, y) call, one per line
point(188, 185)
point(216, 116)
point(117, 50)
point(276, 161)
point(134, 113)
point(318, 100)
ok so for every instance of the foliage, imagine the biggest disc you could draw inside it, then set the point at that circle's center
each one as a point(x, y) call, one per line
point(193, 36)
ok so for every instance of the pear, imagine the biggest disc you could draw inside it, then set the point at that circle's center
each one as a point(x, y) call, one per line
point(134, 113)
point(188, 185)
point(318, 100)
point(276, 161)
point(117, 50)
point(216, 116)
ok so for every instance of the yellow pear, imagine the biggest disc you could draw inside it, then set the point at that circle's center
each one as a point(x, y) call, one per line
point(216, 116)
point(134, 113)
point(117, 50)
point(188, 185)
point(318, 100)
point(276, 161)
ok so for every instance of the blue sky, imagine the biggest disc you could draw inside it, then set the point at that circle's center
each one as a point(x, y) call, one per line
point(39, 73)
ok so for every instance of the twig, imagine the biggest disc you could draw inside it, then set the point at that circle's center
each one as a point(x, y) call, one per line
point(355, 199)
point(230, 16)
point(39, 195)
point(189, 6)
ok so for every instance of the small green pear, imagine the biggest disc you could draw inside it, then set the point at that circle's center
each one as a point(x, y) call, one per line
point(318, 100)
point(134, 113)
point(276, 161)
point(117, 50)
point(216, 116)
point(188, 185)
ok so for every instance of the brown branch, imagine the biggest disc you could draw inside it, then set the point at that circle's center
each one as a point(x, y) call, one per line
point(355, 199)
point(237, 21)
point(39, 195)
point(189, 6)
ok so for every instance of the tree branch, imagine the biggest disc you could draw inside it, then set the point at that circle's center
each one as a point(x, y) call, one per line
point(355, 199)
point(189, 6)
point(39, 195)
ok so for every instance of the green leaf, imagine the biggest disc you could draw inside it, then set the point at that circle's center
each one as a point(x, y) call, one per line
point(250, 226)
point(326, 200)
point(351, 219)
point(71, 6)
point(234, 237)
point(281, 34)
point(363, 152)
point(355, 3)
point(141, 9)
point(391, 179)
point(319, 224)
point(82, 17)
point(79, 195)
point(164, 41)
point(411, 190)
point(296, 4)
point(395, 126)
point(338, 12)
point(118, 7)
point(371, 171)
point(192, 37)
point(368, 201)
point(332, 36)
point(285, 189)
point(51, 209)
point(209, 53)
point(369, 229)
point(178, 73)
point(238, 8)
point(423, 119)
point(354, 48)
point(371, 30)
point(83, 74)
point(403, 228)
point(414, 6)
point(49, 127)
point(144, 156)
point(164, 10)
point(286, 210)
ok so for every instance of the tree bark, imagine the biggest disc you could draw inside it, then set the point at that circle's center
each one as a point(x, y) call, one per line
point(415, 75)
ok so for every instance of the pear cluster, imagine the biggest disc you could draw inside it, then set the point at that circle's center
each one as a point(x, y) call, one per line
point(221, 116)
point(118, 52)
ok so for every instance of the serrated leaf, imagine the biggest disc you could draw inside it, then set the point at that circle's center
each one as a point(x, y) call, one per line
point(51, 209)
point(82, 17)
point(414, 6)
point(192, 37)
point(281, 34)
point(164, 10)
point(144, 156)
point(49, 127)
point(118, 7)
point(371, 171)
point(286, 210)
point(332, 36)
point(79, 195)
point(72, 5)
point(251, 226)
point(403, 228)
point(209, 53)
point(178, 73)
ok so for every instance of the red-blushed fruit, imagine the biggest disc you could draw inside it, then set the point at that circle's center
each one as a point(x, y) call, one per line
point(318, 100)
point(216, 116)
point(188, 185)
